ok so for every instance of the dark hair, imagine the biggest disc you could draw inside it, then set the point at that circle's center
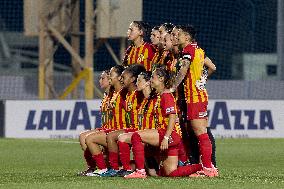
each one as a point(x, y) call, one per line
point(190, 30)
point(155, 28)
point(168, 27)
point(145, 27)
point(146, 75)
point(106, 71)
point(167, 75)
point(135, 70)
point(118, 69)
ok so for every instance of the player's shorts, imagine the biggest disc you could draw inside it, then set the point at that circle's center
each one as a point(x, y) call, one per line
point(197, 110)
point(174, 141)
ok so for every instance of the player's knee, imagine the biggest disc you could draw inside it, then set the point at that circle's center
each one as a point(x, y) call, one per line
point(89, 140)
point(122, 138)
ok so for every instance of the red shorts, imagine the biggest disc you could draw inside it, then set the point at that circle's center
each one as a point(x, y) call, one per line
point(173, 142)
point(197, 110)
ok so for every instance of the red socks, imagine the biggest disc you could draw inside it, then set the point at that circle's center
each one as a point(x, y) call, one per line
point(138, 150)
point(124, 154)
point(113, 160)
point(89, 159)
point(185, 170)
point(99, 159)
point(205, 149)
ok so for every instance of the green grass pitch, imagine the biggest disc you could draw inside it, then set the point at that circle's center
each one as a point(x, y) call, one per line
point(242, 163)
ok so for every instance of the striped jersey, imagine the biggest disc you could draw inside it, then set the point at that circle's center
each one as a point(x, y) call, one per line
point(165, 58)
point(105, 110)
point(140, 55)
point(165, 106)
point(196, 56)
point(132, 104)
point(117, 112)
point(146, 113)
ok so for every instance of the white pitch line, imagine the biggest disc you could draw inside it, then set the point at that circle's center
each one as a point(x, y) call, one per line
point(61, 141)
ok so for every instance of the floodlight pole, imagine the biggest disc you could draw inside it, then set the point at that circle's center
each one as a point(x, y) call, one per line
point(89, 48)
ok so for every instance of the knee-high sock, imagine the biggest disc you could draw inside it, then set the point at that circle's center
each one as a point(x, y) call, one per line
point(185, 170)
point(205, 149)
point(212, 139)
point(113, 160)
point(99, 159)
point(138, 150)
point(124, 154)
point(89, 159)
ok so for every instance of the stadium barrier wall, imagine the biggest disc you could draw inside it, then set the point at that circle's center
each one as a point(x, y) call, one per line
point(67, 118)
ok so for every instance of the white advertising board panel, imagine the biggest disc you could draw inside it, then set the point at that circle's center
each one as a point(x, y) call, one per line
point(66, 119)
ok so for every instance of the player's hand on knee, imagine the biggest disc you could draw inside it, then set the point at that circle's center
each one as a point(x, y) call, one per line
point(164, 144)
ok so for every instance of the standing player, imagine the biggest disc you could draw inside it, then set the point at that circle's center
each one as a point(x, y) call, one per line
point(139, 51)
point(132, 102)
point(116, 118)
point(104, 84)
point(196, 98)
point(189, 138)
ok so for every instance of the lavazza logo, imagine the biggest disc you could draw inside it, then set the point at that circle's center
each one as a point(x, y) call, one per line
point(239, 119)
point(80, 116)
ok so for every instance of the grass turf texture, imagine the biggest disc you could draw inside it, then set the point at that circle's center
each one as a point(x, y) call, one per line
point(243, 163)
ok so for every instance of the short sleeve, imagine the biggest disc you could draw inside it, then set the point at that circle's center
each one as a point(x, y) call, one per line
point(168, 105)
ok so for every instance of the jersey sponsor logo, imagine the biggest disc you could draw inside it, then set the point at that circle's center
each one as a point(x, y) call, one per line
point(129, 106)
point(236, 119)
point(140, 58)
point(80, 116)
point(202, 114)
point(170, 109)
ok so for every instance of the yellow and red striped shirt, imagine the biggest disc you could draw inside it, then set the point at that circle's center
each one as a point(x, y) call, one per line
point(146, 113)
point(132, 104)
point(165, 106)
point(165, 58)
point(196, 56)
point(105, 110)
point(140, 55)
point(117, 112)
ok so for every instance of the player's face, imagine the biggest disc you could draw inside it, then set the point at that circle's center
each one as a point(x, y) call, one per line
point(163, 32)
point(141, 83)
point(175, 36)
point(104, 80)
point(126, 79)
point(155, 80)
point(113, 77)
point(181, 37)
point(133, 32)
point(168, 45)
point(155, 37)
